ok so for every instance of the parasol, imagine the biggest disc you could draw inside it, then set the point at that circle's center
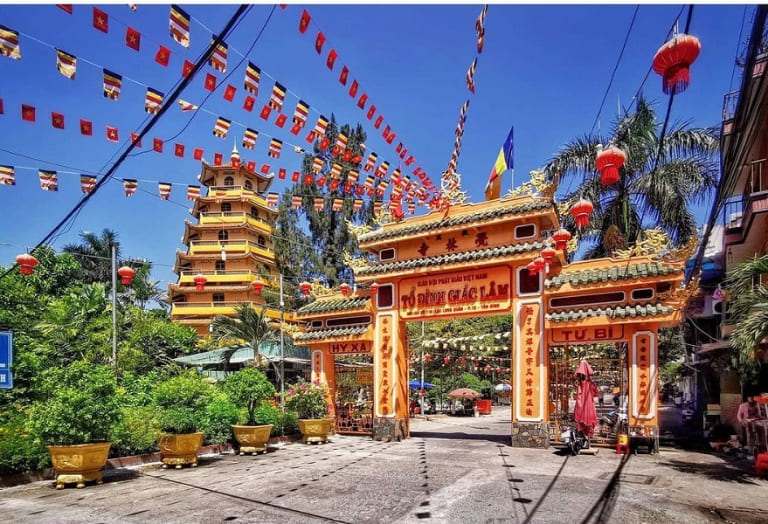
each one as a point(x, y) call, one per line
point(502, 387)
point(464, 393)
point(584, 413)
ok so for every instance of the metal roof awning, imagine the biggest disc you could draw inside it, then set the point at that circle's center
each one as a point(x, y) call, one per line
point(244, 353)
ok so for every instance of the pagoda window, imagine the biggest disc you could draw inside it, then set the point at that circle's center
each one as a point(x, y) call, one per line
point(229, 181)
point(254, 212)
point(218, 297)
point(248, 184)
point(387, 254)
point(527, 284)
point(642, 294)
point(385, 297)
point(525, 231)
point(592, 299)
point(221, 265)
point(262, 241)
point(226, 207)
point(223, 234)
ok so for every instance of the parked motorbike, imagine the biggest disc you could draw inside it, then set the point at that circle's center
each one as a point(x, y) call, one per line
point(574, 440)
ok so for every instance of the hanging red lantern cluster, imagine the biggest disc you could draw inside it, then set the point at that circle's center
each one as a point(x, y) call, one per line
point(345, 289)
point(673, 61)
point(548, 254)
point(561, 238)
point(305, 287)
point(581, 211)
point(258, 285)
point(608, 162)
point(200, 281)
point(26, 263)
point(126, 275)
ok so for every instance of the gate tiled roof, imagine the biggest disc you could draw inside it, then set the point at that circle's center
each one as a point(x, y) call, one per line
point(337, 304)
point(331, 333)
point(648, 310)
point(615, 273)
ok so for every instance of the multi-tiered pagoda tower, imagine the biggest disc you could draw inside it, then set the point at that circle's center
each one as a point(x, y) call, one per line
point(228, 248)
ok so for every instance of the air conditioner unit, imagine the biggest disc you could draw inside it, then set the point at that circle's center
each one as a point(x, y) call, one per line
point(718, 307)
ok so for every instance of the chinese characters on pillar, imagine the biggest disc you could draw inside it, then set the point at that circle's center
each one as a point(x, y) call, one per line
point(317, 365)
point(384, 371)
point(644, 376)
point(528, 355)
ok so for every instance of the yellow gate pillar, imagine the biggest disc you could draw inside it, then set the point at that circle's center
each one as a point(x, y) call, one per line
point(323, 372)
point(643, 359)
point(390, 378)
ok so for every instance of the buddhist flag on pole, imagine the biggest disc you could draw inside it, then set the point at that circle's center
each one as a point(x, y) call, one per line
point(66, 63)
point(179, 25)
point(112, 84)
point(9, 43)
point(87, 183)
point(49, 180)
point(7, 176)
point(504, 161)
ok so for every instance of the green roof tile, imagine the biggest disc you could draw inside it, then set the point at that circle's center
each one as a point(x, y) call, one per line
point(465, 256)
point(613, 274)
point(620, 312)
point(461, 220)
point(332, 333)
point(328, 306)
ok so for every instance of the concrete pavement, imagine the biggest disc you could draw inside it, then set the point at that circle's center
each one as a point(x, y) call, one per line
point(454, 469)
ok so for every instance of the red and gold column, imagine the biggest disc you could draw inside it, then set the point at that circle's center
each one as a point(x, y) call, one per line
point(390, 379)
point(643, 380)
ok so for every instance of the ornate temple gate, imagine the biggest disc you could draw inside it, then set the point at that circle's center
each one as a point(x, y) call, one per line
point(473, 260)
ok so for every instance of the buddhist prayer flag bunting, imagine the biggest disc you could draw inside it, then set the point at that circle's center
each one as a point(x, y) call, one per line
point(369, 182)
point(157, 145)
point(179, 25)
point(272, 199)
point(100, 20)
point(341, 141)
point(344, 75)
point(308, 179)
point(251, 166)
point(7, 176)
point(278, 96)
point(275, 147)
point(295, 176)
point(49, 180)
point(471, 75)
point(381, 172)
point(252, 76)
point(164, 188)
point(221, 128)
point(186, 106)
point(320, 127)
point(363, 100)
point(338, 204)
point(249, 138)
point(410, 160)
point(162, 56)
point(135, 139)
point(187, 68)
point(66, 63)
point(296, 201)
point(371, 112)
point(352, 177)
point(210, 82)
point(130, 185)
point(480, 28)
point(229, 92)
point(319, 201)
point(378, 122)
point(336, 170)
point(197, 154)
point(133, 38)
point(87, 183)
point(9, 43)
point(265, 111)
point(113, 83)
point(248, 103)
point(112, 135)
point(377, 208)
point(57, 120)
point(153, 101)
point(332, 56)
point(281, 173)
point(301, 112)
point(178, 150)
point(218, 59)
point(193, 193)
point(319, 41)
point(280, 120)
point(370, 162)
point(298, 150)
point(504, 161)
point(317, 164)
point(357, 205)
point(304, 21)
point(217, 158)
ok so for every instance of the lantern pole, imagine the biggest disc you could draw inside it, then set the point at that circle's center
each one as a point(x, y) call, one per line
point(114, 305)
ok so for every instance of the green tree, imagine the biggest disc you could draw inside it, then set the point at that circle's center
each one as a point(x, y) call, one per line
point(656, 191)
point(150, 340)
point(248, 326)
point(748, 314)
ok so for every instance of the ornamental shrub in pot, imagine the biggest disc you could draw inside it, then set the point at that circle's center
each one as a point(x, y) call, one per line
point(76, 419)
point(310, 402)
point(247, 388)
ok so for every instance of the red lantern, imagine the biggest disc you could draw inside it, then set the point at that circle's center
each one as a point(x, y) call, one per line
point(305, 288)
point(374, 288)
point(446, 360)
point(533, 270)
point(200, 281)
point(463, 361)
point(126, 275)
point(427, 358)
point(344, 287)
point(581, 211)
point(609, 161)
point(548, 254)
point(540, 264)
point(258, 285)
point(561, 238)
point(27, 263)
point(673, 60)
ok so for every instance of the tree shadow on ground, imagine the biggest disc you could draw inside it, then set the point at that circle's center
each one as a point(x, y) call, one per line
point(726, 471)
point(460, 435)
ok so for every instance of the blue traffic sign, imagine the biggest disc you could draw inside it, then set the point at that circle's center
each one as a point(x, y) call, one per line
point(6, 358)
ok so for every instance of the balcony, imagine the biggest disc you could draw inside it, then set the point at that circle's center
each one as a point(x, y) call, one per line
point(235, 247)
point(741, 210)
point(218, 277)
point(235, 218)
point(238, 192)
point(211, 309)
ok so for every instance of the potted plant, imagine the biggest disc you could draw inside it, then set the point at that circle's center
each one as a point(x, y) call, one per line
point(247, 388)
point(181, 404)
point(310, 402)
point(75, 420)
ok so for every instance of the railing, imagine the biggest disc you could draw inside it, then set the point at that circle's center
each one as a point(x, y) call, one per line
point(228, 217)
point(730, 103)
point(214, 272)
point(215, 191)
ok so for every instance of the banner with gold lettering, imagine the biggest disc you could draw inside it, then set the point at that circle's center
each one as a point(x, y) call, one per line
point(384, 372)
point(643, 376)
point(530, 385)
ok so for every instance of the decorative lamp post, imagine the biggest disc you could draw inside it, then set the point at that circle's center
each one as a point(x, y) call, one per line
point(561, 238)
point(200, 281)
point(126, 275)
point(581, 211)
point(673, 61)
point(609, 161)
point(345, 288)
point(258, 285)
point(305, 287)
point(26, 263)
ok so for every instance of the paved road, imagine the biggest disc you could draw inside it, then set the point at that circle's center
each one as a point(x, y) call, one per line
point(452, 470)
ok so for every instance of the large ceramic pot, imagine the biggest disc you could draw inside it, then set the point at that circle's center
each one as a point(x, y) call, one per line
point(79, 463)
point(252, 439)
point(180, 449)
point(315, 430)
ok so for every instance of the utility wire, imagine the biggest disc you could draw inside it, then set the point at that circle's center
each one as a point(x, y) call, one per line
point(108, 175)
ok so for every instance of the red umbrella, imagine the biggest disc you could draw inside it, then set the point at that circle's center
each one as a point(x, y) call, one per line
point(464, 393)
point(584, 413)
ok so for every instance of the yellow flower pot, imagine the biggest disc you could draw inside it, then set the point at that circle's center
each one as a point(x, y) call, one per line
point(315, 430)
point(180, 449)
point(79, 463)
point(252, 439)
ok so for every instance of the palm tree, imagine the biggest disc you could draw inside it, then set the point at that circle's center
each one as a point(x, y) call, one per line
point(748, 313)
point(650, 190)
point(247, 325)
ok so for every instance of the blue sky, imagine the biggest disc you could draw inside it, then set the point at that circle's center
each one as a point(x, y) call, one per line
point(543, 69)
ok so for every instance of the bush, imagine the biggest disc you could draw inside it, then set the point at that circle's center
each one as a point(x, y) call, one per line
point(19, 451)
point(247, 388)
point(181, 403)
point(136, 433)
point(307, 399)
point(220, 414)
point(80, 405)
